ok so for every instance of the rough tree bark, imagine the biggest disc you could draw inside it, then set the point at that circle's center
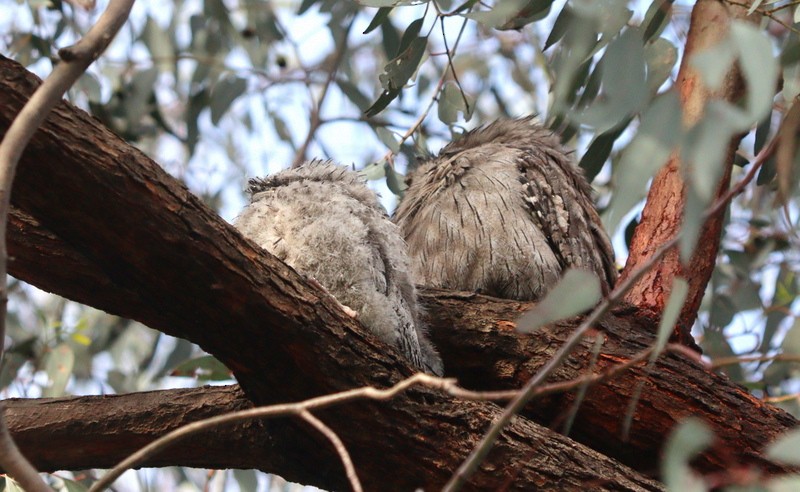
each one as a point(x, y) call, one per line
point(663, 213)
point(283, 338)
point(99, 222)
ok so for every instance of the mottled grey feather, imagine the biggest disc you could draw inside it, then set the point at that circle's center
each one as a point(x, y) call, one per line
point(323, 221)
point(502, 211)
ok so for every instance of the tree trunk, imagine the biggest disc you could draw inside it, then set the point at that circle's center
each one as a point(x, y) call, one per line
point(662, 216)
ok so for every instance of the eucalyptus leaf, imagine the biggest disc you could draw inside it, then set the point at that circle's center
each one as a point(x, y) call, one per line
point(388, 139)
point(205, 368)
point(786, 449)
point(224, 93)
point(160, 45)
point(685, 442)
point(677, 297)
point(624, 83)
point(373, 171)
point(58, 364)
point(400, 69)
point(451, 102)
point(658, 134)
point(575, 292)
point(661, 57)
point(656, 18)
point(380, 17)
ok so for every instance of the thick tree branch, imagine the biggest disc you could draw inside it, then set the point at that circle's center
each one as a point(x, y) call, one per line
point(285, 339)
point(475, 334)
point(662, 216)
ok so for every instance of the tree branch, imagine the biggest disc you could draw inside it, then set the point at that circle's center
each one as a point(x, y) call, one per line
point(197, 278)
point(662, 216)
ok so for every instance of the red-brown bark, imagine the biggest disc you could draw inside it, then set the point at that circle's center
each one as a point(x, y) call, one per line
point(189, 274)
point(662, 216)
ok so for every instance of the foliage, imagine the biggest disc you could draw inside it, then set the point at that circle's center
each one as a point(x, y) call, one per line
point(218, 91)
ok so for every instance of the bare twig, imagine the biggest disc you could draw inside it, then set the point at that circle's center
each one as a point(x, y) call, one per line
point(75, 60)
point(316, 110)
point(738, 359)
point(271, 411)
point(416, 125)
point(341, 450)
point(529, 391)
point(302, 409)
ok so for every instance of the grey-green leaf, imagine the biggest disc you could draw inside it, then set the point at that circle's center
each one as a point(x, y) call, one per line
point(575, 292)
point(686, 441)
point(786, 448)
point(224, 93)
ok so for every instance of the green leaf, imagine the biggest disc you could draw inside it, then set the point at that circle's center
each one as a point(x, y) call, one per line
point(226, 90)
point(759, 68)
point(305, 5)
point(89, 85)
point(383, 100)
point(160, 45)
point(394, 180)
point(661, 57)
point(246, 479)
point(785, 483)
point(714, 62)
point(205, 368)
point(560, 27)
point(754, 6)
point(388, 139)
point(677, 297)
point(390, 39)
point(354, 94)
point(599, 150)
point(378, 3)
point(380, 16)
point(58, 364)
point(12, 362)
point(659, 132)
point(624, 83)
point(451, 102)
point(790, 53)
point(656, 18)
point(137, 101)
point(791, 342)
point(411, 34)
point(73, 486)
point(400, 69)
point(533, 11)
point(786, 449)
point(690, 438)
point(575, 292)
point(500, 14)
point(12, 486)
point(373, 171)
point(197, 103)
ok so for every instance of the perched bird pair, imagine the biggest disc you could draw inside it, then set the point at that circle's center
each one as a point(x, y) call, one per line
point(502, 211)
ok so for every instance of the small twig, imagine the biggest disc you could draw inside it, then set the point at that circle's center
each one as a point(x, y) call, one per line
point(75, 60)
point(782, 398)
point(450, 63)
point(271, 411)
point(341, 450)
point(316, 110)
point(477, 455)
point(418, 123)
point(738, 359)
